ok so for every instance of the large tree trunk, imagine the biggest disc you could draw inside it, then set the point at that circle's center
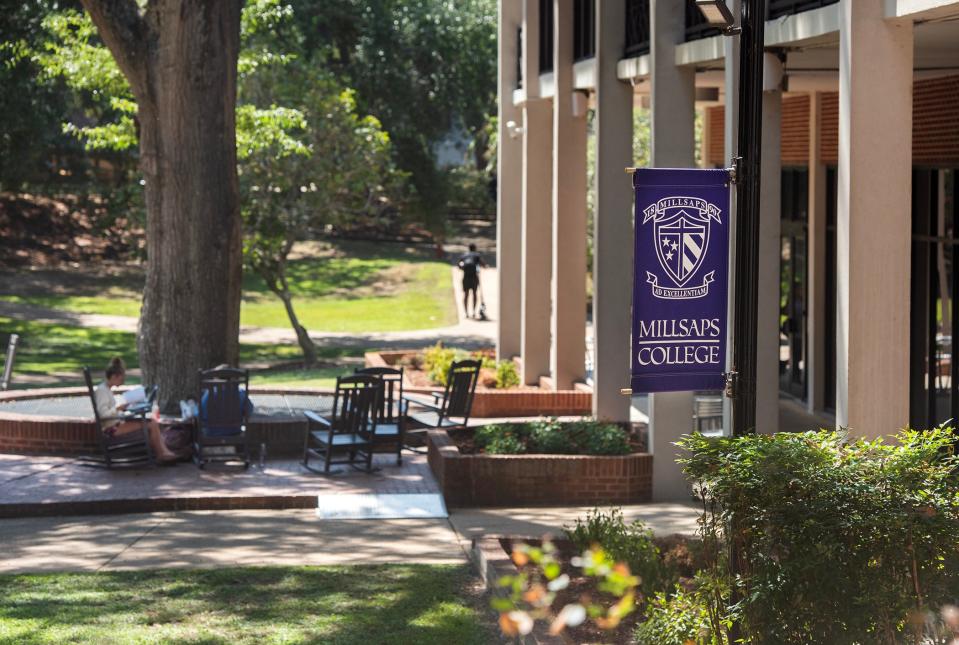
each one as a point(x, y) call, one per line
point(180, 57)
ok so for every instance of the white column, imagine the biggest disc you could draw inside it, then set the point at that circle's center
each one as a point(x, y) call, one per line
point(537, 207)
point(767, 309)
point(873, 219)
point(612, 225)
point(568, 323)
point(816, 274)
point(672, 115)
point(509, 184)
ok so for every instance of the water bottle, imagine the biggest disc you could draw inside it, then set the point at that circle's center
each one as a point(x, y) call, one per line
point(262, 456)
point(156, 411)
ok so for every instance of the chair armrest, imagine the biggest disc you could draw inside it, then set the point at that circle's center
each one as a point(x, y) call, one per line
point(313, 416)
point(426, 403)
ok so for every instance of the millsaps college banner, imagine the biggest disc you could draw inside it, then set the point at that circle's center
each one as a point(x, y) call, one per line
point(680, 281)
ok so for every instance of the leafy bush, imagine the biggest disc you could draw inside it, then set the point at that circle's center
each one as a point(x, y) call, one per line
point(677, 619)
point(506, 374)
point(530, 595)
point(437, 361)
point(503, 438)
point(630, 543)
point(588, 437)
point(552, 437)
point(841, 541)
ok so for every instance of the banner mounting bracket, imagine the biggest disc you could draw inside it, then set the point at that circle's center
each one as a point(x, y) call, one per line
point(735, 169)
point(732, 379)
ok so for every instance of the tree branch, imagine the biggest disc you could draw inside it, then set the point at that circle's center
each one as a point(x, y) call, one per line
point(127, 36)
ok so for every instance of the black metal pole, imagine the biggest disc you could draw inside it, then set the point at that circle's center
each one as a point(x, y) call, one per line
point(749, 148)
point(752, 24)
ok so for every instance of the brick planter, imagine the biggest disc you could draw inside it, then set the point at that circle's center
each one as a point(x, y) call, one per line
point(517, 402)
point(66, 435)
point(537, 480)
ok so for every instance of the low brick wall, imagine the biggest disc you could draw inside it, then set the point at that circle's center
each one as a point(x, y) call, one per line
point(31, 434)
point(57, 435)
point(491, 403)
point(537, 480)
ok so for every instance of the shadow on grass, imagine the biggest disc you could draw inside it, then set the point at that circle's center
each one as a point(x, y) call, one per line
point(48, 349)
point(356, 604)
point(355, 266)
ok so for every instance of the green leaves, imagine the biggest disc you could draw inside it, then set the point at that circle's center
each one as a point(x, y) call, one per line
point(842, 539)
point(270, 130)
point(551, 436)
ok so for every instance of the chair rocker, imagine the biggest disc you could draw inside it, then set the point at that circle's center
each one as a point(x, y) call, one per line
point(390, 409)
point(220, 431)
point(350, 429)
point(128, 450)
point(456, 401)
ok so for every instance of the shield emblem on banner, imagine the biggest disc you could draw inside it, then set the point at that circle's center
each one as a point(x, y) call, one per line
point(681, 243)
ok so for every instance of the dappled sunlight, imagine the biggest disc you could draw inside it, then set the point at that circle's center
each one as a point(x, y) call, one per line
point(413, 603)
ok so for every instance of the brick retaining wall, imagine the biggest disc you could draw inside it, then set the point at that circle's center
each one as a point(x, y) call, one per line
point(492, 403)
point(537, 480)
point(23, 433)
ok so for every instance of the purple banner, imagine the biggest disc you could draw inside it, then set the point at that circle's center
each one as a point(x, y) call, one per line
point(680, 281)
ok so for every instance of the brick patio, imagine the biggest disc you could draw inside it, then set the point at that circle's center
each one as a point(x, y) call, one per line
point(43, 485)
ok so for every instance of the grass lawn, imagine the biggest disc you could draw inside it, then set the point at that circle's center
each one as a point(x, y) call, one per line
point(48, 349)
point(414, 604)
point(349, 287)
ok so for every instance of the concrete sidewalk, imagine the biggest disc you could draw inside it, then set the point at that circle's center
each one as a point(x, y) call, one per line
point(292, 537)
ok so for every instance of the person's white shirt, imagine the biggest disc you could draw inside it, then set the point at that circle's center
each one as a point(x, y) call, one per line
point(106, 405)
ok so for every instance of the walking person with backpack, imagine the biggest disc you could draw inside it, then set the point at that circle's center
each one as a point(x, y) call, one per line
point(470, 264)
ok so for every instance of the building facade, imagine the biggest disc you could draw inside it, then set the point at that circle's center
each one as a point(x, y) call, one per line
point(860, 145)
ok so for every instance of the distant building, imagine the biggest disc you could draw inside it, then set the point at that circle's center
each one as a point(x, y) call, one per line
point(858, 288)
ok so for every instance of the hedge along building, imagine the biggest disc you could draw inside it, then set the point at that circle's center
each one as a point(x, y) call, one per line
point(857, 314)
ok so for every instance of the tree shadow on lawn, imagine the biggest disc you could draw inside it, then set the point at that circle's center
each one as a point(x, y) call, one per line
point(354, 604)
point(50, 349)
point(350, 270)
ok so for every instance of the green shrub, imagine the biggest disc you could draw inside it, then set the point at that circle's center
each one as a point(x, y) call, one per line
point(678, 619)
point(601, 438)
point(506, 374)
point(630, 543)
point(587, 437)
point(503, 438)
point(548, 437)
point(437, 361)
point(841, 542)
point(552, 437)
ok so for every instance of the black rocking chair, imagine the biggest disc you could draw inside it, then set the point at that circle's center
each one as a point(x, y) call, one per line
point(456, 401)
point(220, 435)
point(390, 408)
point(351, 427)
point(129, 450)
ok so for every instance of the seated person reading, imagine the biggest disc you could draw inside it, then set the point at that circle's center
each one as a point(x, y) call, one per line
point(109, 410)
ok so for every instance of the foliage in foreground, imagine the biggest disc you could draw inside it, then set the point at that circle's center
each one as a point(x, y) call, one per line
point(551, 436)
point(840, 541)
point(530, 595)
point(356, 604)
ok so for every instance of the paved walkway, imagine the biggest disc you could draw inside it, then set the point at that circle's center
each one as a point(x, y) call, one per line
point(292, 537)
point(66, 482)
